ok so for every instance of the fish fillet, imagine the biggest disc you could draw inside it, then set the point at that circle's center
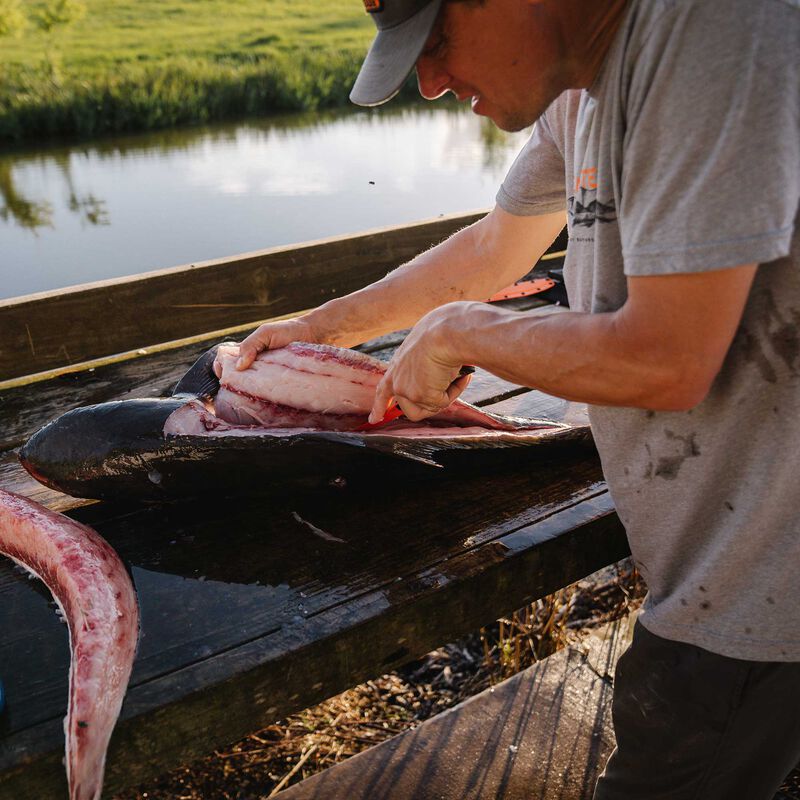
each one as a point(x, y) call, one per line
point(316, 387)
point(96, 597)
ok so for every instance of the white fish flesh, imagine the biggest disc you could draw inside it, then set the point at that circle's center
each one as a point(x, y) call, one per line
point(96, 598)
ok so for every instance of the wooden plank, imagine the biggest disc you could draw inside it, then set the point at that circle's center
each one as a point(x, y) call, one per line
point(156, 539)
point(47, 330)
point(201, 341)
point(544, 733)
point(408, 535)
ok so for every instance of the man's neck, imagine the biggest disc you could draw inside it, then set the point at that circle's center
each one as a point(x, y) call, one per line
point(587, 29)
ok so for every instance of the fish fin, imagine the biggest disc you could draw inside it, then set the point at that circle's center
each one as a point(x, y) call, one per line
point(388, 445)
point(428, 450)
point(201, 380)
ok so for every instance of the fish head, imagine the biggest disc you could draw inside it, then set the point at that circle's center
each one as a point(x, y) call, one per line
point(80, 451)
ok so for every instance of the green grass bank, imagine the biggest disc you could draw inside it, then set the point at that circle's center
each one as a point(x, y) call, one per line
point(142, 64)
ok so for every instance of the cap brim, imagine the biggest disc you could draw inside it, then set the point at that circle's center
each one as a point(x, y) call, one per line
point(392, 56)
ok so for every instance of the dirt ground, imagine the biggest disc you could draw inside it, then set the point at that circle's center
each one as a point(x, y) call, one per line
point(264, 763)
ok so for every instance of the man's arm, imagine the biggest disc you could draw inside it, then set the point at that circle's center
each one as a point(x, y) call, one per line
point(470, 265)
point(661, 350)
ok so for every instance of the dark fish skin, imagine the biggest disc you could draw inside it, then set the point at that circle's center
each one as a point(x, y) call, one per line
point(117, 451)
point(201, 380)
point(84, 451)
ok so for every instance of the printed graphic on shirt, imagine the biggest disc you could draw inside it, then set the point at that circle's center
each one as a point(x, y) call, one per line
point(583, 207)
point(373, 6)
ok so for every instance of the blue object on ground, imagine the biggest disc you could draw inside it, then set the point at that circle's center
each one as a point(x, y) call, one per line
point(2, 698)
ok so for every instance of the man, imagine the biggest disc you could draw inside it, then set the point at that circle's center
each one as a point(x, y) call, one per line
point(668, 130)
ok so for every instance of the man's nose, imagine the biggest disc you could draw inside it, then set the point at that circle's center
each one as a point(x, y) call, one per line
point(432, 79)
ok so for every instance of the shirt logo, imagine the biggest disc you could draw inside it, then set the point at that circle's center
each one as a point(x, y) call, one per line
point(586, 179)
point(583, 207)
point(373, 6)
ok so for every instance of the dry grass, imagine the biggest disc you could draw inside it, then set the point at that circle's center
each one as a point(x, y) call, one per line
point(282, 754)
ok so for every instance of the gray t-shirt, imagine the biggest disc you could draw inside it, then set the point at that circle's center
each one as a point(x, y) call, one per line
point(684, 156)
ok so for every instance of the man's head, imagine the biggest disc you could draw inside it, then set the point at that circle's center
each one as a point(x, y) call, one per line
point(511, 58)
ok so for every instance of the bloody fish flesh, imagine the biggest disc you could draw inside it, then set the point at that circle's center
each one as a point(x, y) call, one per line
point(97, 600)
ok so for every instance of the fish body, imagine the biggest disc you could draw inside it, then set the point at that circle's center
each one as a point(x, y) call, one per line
point(94, 592)
point(291, 418)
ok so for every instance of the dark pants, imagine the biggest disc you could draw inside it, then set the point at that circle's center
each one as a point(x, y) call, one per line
point(692, 725)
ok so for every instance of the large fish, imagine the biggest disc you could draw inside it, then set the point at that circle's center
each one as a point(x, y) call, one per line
point(97, 601)
point(291, 417)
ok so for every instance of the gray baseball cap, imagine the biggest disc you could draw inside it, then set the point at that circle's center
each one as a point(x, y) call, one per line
point(403, 28)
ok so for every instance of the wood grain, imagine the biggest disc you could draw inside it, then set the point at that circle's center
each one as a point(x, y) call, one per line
point(544, 733)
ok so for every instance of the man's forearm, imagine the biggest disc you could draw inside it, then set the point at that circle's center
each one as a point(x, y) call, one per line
point(583, 357)
point(470, 265)
point(398, 300)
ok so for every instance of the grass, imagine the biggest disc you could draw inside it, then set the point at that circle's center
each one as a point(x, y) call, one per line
point(130, 65)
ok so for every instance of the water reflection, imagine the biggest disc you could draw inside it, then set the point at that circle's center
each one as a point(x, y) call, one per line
point(33, 215)
point(17, 208)
point(131, 204)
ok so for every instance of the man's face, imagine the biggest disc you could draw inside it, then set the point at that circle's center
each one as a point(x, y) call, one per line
point(501, 54)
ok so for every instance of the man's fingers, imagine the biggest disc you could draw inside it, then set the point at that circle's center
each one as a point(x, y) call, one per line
point(413, 411)
point(250, 348)
point(271, 336)
point(419, 408)
point(457, 386)
point(383, 396)
point(247, 355)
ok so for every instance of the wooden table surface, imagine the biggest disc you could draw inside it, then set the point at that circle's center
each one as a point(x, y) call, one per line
point(253, 609)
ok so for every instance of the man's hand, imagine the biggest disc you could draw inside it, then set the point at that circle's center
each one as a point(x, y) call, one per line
point(423, 374)
point(272, 335)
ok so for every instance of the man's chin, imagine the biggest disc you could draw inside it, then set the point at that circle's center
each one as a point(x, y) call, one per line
point(511, 122)
point(512, 125)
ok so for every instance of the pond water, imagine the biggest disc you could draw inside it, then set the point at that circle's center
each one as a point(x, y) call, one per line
point(122, 206)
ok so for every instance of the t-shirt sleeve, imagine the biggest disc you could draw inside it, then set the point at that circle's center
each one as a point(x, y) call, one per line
point(711, 152)
point(535, 183)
